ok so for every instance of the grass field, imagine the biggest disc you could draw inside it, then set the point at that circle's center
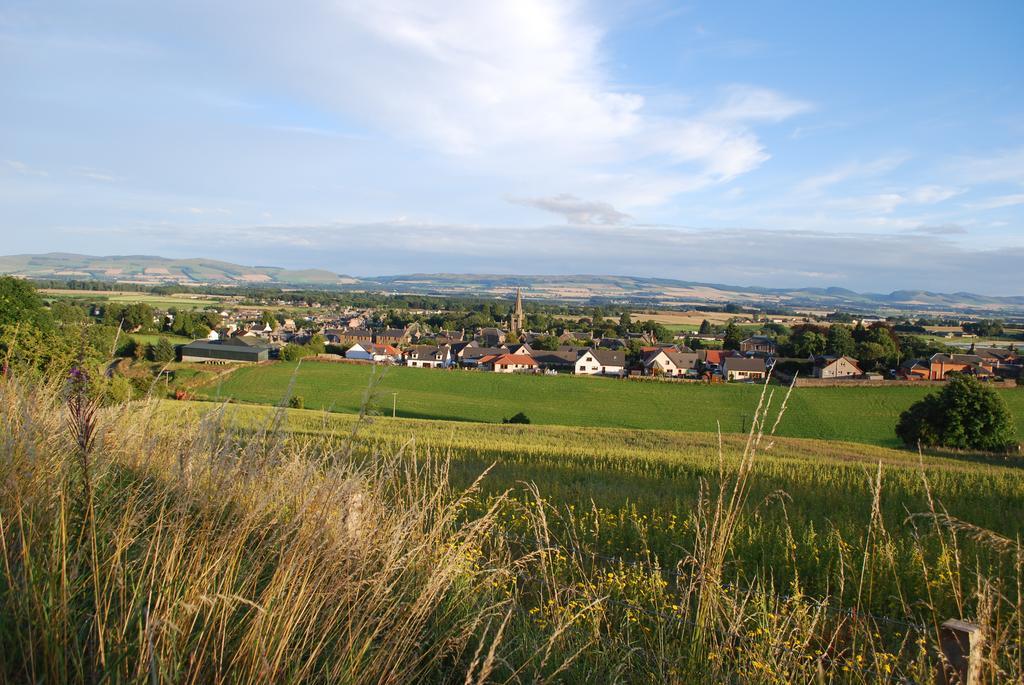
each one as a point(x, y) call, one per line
point(202, 542)
point(160, 301)
point(866, 415)
point(633, 491)
point(152, 338)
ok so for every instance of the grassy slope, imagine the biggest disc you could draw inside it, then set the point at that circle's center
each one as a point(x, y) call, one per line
point(640, 483)
point(865, 415)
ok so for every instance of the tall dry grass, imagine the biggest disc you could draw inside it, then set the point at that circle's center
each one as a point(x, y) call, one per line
point(189, 550)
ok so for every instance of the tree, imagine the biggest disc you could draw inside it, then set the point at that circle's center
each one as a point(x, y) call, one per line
point(625, 320)
point(19, 302)
point(163, 351)
point(518, 418)
point(296, 402)
point(705, 327)
point(807, 343)
point(732, 337)
point(964, 415)
point(839, 340)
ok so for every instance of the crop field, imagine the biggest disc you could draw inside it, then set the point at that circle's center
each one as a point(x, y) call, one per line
point(632, 494)
point(865, 415)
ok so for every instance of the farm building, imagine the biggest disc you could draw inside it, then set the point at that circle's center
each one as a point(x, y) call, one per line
point(236, 349)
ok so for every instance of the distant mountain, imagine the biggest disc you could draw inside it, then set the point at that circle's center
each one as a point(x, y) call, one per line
point(580, 288)
point(160, 270)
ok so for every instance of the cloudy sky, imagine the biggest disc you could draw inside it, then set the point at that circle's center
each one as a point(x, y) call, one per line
point(870, 145)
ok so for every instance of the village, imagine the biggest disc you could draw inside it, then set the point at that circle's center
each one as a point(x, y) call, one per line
point(348, 337)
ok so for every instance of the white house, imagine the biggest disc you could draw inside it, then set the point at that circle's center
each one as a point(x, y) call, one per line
point(743, 368)
point(373, 352)
point(429, 356)
point(595, 362)
point(668, 362)
point(831, 366)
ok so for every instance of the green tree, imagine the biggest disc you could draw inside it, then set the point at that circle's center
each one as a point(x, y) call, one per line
point(163, 351)
point(965, 414)
point(705, 327)
point(807, 343)
point(625, 321)
point(839, 340)
point(733, 337)
point(19, 302)
point(518, 418)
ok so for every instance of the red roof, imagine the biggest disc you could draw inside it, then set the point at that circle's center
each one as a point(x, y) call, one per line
point(385, 349)
point(511, 359)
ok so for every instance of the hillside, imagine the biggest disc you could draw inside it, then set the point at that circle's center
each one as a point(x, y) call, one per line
point(160, 270)
point(578, 288)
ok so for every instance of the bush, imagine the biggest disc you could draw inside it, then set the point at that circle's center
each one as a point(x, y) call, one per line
point(296, 402)
point(964, 415)
point(518, 418)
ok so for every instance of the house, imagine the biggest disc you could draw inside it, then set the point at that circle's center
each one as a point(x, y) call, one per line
point(669, 362)
point(558, 360)
point(373, 352)
point(509, 363)
point(743, 368)
point(393, 336)
point(833, 366)
point(236, 349)
point(712, 359)
point(522, 348)
point(941, 365)
point(471, 355)
point(429, 356)
point(914, 370)
point(758, 343)
point(596, 362)
point(349, 336)
point(491, 337)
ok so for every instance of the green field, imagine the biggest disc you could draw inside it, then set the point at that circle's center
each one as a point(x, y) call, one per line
point(633, 493)
point(158, 301)
point(152, 338)
point(865, 415)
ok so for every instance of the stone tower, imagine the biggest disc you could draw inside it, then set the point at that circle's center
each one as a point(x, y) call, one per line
point(517, 319)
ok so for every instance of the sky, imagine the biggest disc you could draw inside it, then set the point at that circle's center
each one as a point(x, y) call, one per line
point(869, 145)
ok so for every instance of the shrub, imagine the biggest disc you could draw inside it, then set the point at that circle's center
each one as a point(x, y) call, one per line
point(964, 415)
point(296, 402)
point(518, 418)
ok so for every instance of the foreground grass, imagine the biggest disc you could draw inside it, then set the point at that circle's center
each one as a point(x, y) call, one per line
point(196, 543)
point(866, 415)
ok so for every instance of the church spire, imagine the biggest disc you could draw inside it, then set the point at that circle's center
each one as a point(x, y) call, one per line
point(517, 319)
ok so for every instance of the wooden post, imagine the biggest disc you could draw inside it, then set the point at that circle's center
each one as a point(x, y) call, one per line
point(960, 642)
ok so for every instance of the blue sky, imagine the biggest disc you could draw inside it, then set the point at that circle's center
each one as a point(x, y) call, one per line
point(868, 145)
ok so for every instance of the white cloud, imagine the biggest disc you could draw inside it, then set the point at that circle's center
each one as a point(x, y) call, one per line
point(514, 88)
point(1002, 166)
point(998, 202)
point(749, 103)
point(852, 170)
point(577, 211)
point(932, 194)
